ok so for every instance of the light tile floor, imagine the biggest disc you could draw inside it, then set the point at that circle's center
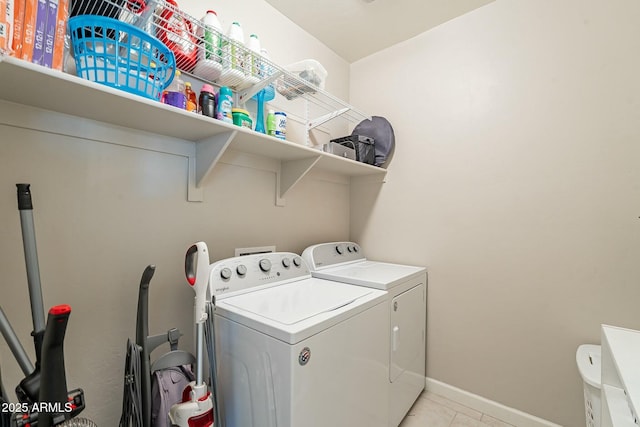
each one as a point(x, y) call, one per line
point(432, 410)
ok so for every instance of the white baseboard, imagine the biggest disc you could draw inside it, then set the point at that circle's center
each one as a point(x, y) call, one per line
point(494, 409)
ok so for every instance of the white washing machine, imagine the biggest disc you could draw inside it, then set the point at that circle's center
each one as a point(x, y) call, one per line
point(407, 305)
point(297, 351)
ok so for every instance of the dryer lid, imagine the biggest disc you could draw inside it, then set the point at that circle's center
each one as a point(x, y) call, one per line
point(379, 275)
point(297, 301)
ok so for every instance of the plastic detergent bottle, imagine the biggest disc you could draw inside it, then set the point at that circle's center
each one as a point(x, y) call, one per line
point(209, 64)
point(232, 53)
point(253, 56)
point(192, 102)
point(207, 101)
point(225, 105)
point(175, 93)
point(176, 31)
point(271, 123)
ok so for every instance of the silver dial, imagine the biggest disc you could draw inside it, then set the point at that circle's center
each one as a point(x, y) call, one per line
point(286, 262)
point(265, 265)
point(241, 270)
point(339, 249)
point(225, 273)
point(297, 261)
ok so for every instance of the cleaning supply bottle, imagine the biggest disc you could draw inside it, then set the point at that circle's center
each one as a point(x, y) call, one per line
point(210, 36)
point(175, 92)
point(252, 60)
point(224, 105)
point(232, 52)
point(192, 102)
point(207, 101)
point(233, 57)
point(209, 65)
point(176, 31)
point(271, 123)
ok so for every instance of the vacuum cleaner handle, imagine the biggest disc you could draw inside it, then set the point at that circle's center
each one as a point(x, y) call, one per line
point(53, 381)
point(196, 267)
point(25, 206)
point(142, 332)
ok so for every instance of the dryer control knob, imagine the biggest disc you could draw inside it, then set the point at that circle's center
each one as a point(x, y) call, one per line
point(286, 262)
point(241, 270)
point(339, 249)
point(265, 265)
point(355, 248)
point(225, 273)
point(350, 248)
point(297, 261)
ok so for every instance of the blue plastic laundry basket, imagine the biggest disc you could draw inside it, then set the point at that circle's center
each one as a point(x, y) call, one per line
point(119, 55)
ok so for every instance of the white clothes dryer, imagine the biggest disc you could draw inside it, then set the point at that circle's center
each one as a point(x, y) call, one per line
point(297, 351)
point(407, 304)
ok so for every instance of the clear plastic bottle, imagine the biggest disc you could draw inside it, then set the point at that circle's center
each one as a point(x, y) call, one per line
point(192, 99)
point(175, 93)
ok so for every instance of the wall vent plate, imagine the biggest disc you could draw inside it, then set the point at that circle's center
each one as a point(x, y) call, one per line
point(255, 250)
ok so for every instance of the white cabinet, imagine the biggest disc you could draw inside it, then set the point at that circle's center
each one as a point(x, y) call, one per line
point(620, 377)
point(35, 86)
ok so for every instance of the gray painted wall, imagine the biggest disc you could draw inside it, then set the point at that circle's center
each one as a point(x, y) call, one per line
point(516, 182)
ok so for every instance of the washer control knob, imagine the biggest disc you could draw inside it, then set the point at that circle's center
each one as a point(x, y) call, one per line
point(350, 248)
point(265, 265)
point(241, 270)
point(339, 249)
point(355, 248)
point(286, 262)
point(225, 273)
point(297, 261)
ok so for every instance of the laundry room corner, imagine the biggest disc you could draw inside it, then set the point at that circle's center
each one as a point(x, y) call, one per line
point(514, 181)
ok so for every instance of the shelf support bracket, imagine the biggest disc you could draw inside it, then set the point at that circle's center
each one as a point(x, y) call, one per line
point(290, 173)
point(323, 119)
point(206, 155)
point(247, 94)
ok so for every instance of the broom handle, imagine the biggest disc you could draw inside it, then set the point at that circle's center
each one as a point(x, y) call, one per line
point(14, 344)
point(25, 206)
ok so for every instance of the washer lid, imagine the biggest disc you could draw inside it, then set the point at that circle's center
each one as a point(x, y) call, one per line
point(294, 302)
point(374, 274)
point(296, 310)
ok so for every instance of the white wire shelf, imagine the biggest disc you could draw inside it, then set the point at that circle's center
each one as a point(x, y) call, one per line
point(221, 61)
point(206, 139)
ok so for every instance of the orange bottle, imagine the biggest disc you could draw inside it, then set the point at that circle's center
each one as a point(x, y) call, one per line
point(192, 100)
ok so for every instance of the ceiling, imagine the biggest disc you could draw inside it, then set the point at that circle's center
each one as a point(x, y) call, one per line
point(357, 28)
